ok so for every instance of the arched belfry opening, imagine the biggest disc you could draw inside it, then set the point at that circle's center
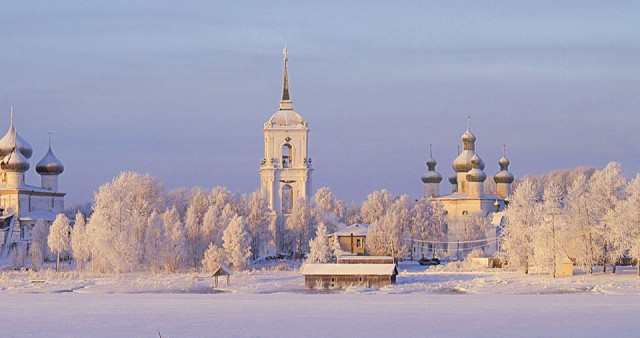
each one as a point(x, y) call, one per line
point(287, 199)
point(287, 156)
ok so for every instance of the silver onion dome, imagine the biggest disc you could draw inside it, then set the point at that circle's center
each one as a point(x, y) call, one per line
point(12, 138)
point(49, 164)
point(453, 179)
point(431, 176)
point(15, 161)
point(476, 174)
point(503, 176)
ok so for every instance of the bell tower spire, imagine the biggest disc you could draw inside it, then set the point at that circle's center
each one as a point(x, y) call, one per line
point(285, 83)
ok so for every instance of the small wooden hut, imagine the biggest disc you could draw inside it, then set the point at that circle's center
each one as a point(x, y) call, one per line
point(343, 275)
point(222, 271)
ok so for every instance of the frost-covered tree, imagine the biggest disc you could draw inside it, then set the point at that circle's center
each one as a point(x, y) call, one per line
point(581, 224)
point(213, 258)
point(402, 208)
point(384, 237)
point(375, 206)
point(299, 225)
point(178, 199)
point(427, 224)
point(219, 198)
point(79, 241)
point(38, 248)
point(211, 229)
point(561, 178)
point(547, 250)
point(154, 242)
point(352, 214)
point(17, 256)
point(326, 209)
point(520, 214)
point(258, 221)
point(193, 223)
point(119, 221)
point(319, 246)
point(58, 240)
point(175, 252)
point(605, 189)
point(237, 243)
point(471, 231)
point(336, 249)
point(627, 217)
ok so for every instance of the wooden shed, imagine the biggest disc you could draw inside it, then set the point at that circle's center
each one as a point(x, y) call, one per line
point(344, 275)
point(350, 259)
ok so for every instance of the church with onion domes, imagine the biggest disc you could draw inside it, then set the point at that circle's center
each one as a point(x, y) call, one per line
point(21, 204)
point(467, 197)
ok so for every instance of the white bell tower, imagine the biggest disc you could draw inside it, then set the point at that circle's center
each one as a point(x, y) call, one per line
point(285, 170)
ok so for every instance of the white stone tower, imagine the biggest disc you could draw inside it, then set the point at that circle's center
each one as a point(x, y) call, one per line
point(285, 170)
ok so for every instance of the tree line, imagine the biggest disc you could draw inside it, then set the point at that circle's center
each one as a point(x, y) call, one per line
point(592, 216)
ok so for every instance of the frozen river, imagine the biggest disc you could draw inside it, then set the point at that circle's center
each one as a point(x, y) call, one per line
point(295, 315)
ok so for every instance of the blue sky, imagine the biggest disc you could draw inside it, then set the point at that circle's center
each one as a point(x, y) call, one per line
point(182, 91)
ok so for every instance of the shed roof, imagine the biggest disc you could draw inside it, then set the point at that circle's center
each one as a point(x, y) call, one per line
point(350, 269)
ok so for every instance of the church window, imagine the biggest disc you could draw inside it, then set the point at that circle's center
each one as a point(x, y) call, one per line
point(287, 199)
point(286, 155)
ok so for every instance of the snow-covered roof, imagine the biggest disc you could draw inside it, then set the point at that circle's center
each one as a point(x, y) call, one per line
point(365, 258)
point(38, 214)
point(222, 271)
point(349, 269)
point(26, 187)
point(355, 229)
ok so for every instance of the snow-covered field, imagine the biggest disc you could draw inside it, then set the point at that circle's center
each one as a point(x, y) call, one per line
point(435, 302)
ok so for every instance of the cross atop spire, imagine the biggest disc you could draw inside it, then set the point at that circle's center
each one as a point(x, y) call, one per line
point(430, 151)
point(11, 115)
point(50, 139)
point(504, 146)
point(468, 122)
point(285, 84)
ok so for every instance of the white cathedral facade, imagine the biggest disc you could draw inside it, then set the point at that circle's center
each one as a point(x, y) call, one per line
point(21, 205)
point(285, 170)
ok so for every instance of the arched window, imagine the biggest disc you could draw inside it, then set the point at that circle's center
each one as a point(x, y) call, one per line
point(287, 158)
point(287, 199)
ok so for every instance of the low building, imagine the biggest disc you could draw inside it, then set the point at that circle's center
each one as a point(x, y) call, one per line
point(351, 238)
point(344, 275)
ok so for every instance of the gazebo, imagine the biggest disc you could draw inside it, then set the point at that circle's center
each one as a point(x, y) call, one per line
point(222, 271)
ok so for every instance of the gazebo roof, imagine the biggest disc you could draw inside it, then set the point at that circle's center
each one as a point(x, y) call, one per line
point(222, 271)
